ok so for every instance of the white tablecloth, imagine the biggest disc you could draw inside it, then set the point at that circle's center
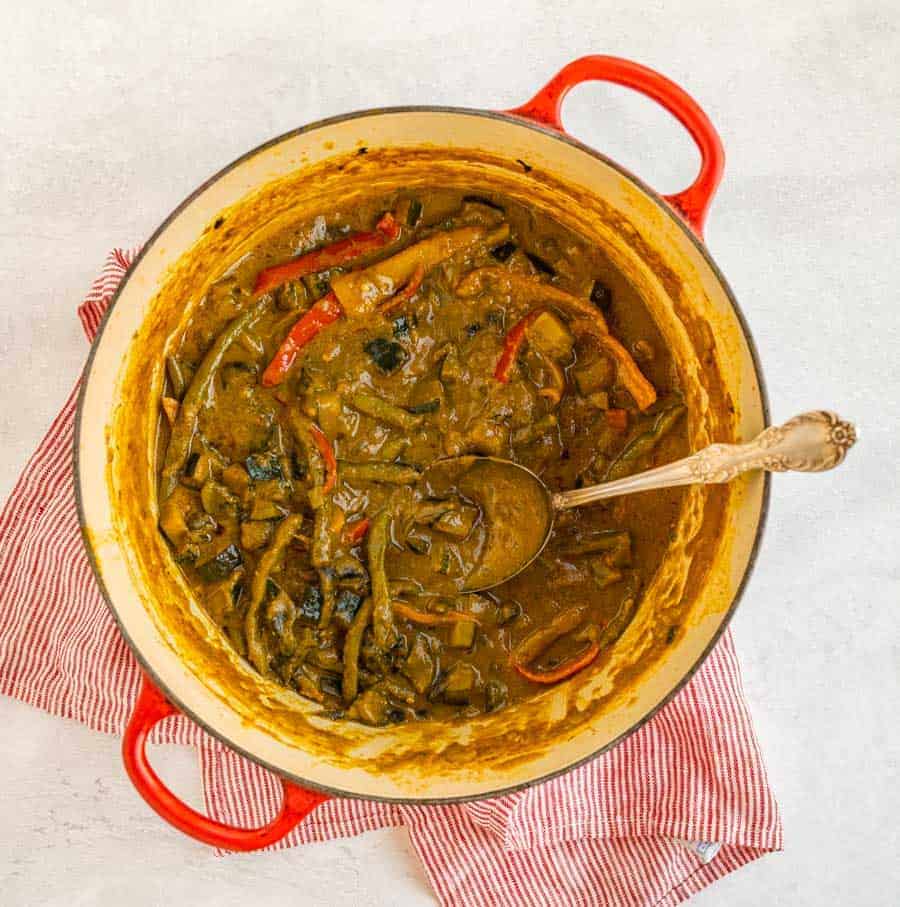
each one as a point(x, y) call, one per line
point(112, 112)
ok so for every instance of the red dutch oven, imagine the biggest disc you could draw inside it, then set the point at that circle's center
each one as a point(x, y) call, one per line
point(656, 241)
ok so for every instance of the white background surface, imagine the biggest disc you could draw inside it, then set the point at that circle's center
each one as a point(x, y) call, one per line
point(112, 112)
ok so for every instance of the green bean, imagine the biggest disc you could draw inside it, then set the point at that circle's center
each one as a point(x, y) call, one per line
point(175, 371)
point(352, 646)
point(326, 586)
point(197, 395)
point(377, 471)
point(322, 544)
point(385, 412)
point(382, 614)
point(392, 448)
point(267, 563)
point(321, 547)
point(284, 461)
point(644, 443)
point(300, 425)
point(251, 344)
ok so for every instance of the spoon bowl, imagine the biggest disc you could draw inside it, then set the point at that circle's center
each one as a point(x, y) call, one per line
point(516, 510)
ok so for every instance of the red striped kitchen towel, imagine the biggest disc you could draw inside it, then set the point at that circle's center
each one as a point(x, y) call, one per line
point(678, 804)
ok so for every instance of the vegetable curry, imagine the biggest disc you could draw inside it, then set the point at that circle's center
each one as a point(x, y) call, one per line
point(313, 391)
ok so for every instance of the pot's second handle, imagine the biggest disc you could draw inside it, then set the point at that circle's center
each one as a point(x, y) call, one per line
point(151, 708)
point(693, 203)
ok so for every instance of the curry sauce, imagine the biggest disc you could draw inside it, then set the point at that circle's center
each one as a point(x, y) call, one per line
point(325, 373)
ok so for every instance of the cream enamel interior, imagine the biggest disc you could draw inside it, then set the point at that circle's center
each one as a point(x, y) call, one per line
point(170, 633)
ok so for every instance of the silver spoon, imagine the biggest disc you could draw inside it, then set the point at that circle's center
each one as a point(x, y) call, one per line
point(519, 509)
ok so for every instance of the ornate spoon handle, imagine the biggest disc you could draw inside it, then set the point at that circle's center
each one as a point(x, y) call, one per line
point(811, 442)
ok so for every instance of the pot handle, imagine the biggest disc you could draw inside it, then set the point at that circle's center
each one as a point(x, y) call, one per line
point(151, 708)
point(693, 203)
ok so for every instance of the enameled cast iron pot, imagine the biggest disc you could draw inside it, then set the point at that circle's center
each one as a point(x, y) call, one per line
point(656, 241)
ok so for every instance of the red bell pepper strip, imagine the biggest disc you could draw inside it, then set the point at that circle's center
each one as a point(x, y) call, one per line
point(323, 313)
point(406, 292)
point(617, 419)
point(356, 531)
point(512, 344)
point(338, 253)
point(565, 670)
point(325, 448)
